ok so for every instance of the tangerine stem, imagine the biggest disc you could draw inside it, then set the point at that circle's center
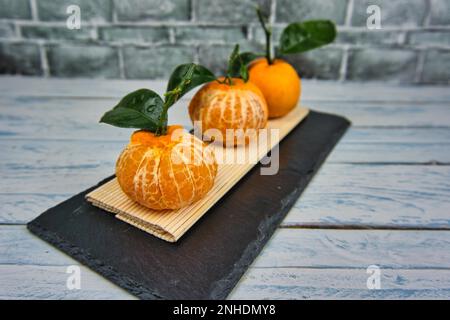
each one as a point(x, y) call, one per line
point(227, 80)
point(268, 33)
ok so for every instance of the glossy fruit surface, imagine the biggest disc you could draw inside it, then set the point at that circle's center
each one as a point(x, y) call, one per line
point(279, 83)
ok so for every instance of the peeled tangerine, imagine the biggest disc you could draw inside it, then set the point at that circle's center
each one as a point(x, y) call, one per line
point(221, 106)
point(166, 172)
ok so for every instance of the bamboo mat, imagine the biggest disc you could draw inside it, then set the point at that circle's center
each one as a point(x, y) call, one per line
point(170, 225)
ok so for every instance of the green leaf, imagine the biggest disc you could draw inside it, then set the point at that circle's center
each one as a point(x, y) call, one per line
point(308, 35)
point(141, 109)
point(244, 72)
point(238, 62)
point(248, 57)
point(184, 78)
point(243, 60)
point(233, 60)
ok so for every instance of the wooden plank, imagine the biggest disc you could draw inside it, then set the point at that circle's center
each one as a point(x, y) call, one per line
point(311, 89)
point(44, 118)
point(394, 196)
point(22, 208)
point(77, 119)
point(295, 283)
point(50, 282)
point(390, 153)
point(18, 246)
point(53, 182)
point(297, 248)
point(389, 114)
point(389, 249)
point(375, 196)
point(416, 136)
point(94, 88)
point(359, 145)
point(296, 264)
point(393, 145)
point(26, 156)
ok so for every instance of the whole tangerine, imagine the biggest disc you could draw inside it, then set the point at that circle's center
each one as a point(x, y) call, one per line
point(279, 83)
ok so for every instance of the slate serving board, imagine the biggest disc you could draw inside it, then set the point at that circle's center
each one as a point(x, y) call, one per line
point(213, 255)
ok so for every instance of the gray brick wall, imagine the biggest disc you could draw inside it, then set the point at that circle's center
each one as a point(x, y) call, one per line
point(139, 39)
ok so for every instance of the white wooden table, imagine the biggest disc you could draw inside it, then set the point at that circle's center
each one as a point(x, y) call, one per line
point(382, 197)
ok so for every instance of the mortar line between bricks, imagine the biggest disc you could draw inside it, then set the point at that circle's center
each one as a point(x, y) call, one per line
point(402, 38)
point(172, 37)
point(427, 18)
point(349, 13)
point(114, 12)
point(250, 31)
point(193, 4)
point(34, 10)
point(156, 23)
point(421, 53)
point(419, 66)
point(17, 31)
point(344, 64)
point(94, 34)
point(140, 43)
point(196, 54)
point(121, 62)
point(44, 61)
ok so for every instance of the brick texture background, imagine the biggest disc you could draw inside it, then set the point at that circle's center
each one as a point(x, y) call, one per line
point(140, 39)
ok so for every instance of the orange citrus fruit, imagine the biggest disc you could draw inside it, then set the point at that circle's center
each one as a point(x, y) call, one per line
point(234, 109)
point(166, 172)
point(279, 82)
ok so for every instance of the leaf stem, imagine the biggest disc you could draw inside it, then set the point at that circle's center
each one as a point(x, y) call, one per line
point(226, 80)
point(170, 98)
point(162, 129)
point(229, 80)
point(268, 32)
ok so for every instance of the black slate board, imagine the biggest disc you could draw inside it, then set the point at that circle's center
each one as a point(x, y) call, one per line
point(208, 261)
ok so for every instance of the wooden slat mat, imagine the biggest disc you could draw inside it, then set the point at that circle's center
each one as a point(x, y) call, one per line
point(170, 225)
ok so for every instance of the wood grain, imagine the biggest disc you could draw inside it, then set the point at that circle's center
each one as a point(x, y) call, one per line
point(367, 196)
point(31, 282)
point(22, 208)
point(76, 119)
point(375, 196)
point(296, 248)
point(48, 282)
point(378, 176)
point(296, 264)
point(294, 283)
point(359, 145)
point(312, 89)
point(389, 249)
